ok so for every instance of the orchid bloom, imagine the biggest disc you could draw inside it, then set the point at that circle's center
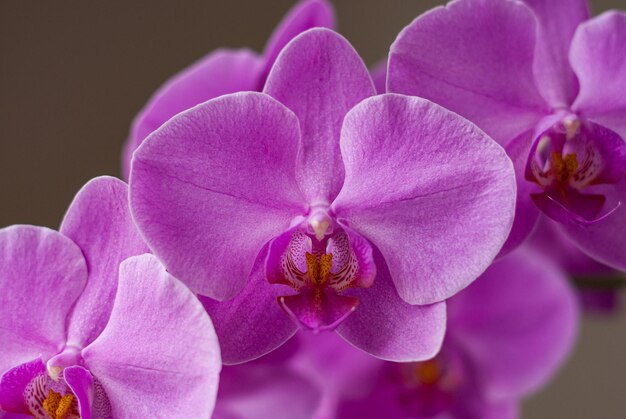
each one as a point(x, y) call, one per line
point(223, 71)
point(546, 82)
point(87, 321)
point(315, 205)
point(508, 333)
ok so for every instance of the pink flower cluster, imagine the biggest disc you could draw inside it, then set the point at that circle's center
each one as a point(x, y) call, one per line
point(347, 243)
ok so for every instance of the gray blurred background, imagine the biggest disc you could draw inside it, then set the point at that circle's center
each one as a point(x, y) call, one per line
point(73, 75)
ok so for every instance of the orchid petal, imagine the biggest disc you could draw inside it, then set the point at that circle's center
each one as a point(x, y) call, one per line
point(213, 185)
point(340, 368)
point(99, 222)
point(474, 57)
point(220, 72)
point(387, 327)
point(597, 56)
point(526, 212)
point(517, 322)
point(80, 381)
point(604, 240)
point(304, 15)
point(320, 77)
point(251, 324)
point(550, 240)
point(42, 273)
point(557, 22)
point(438, 201)
point(142, 373)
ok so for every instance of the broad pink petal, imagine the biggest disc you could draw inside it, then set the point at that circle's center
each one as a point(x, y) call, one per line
point(517, 322)
point(429, 189)
point(474, 57)
point(605, 240)
point(140, 369)
point(557, 21)
point(80, 381)
point(597, 56)
point(526, 212)
point(42, 273)
point(99, 222)
point(320, 77)
point(252, 324)
point(213, 185)
point(306, 14)
point(13, 384)
point(387, 327)
point(220, 72)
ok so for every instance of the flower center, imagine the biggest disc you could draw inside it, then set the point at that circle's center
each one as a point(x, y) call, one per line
point(47, 398)
point(319, 271)
point(568, 161)
point(563, 169)
point(320, 261)
point(319, 267)
point(57, 406)
point(428, 388)
point(428, 372)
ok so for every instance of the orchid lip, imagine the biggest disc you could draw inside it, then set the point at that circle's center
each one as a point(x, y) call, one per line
point(319, 260)
point(562, 214)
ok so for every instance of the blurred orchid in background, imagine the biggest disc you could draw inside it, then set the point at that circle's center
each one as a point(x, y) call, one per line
point(269, 387)
point(547, 83)
point(221, 72)
point(78, 338)
point(507, 335)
